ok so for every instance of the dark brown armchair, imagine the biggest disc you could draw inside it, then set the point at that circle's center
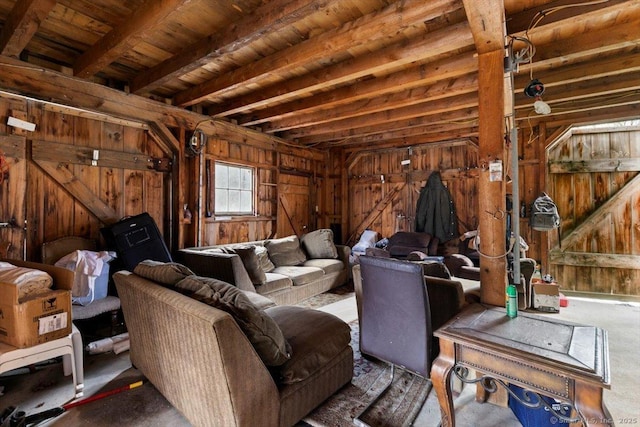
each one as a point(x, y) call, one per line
point(395, 314)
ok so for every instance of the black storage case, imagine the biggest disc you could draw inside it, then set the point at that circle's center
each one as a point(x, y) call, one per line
point(135, 239)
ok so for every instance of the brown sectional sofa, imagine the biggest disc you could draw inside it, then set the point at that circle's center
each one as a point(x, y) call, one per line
point(296, 268)
point(202, 357)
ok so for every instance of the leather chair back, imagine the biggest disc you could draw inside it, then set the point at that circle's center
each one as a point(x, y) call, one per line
point(396, 321)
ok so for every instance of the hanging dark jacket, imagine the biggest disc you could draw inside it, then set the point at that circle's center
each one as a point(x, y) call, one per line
point(435, 211)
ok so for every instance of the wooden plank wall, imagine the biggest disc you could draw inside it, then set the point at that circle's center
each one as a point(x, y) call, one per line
point(279, 169)
point(46, 208)
point(379, 180)
point(52, 187)
point(593, 177)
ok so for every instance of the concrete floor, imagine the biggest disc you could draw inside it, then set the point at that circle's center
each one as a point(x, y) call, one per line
point(46, 388)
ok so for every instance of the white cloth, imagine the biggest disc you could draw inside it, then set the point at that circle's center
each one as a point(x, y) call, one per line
point(87, 265)
point(367, 240)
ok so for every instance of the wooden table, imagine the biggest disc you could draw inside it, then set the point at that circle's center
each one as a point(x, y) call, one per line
point(546, 356)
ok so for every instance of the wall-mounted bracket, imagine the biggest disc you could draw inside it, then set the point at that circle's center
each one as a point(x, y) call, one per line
point(160, 164)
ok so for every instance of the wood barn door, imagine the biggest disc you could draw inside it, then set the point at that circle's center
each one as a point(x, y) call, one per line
point(294, 205)
point(593, 178)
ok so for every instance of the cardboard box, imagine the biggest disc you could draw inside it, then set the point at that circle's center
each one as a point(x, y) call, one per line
point(546, 297)
point(37, 319)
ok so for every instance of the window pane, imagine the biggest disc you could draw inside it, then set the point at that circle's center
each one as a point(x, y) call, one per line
point(246, 204)
point(234, 189)
point(234, 200)
point(222, 200)
point(222, 176)
point(234, 178)
point(247, 179)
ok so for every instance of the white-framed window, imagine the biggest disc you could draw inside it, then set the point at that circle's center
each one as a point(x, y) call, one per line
point(234, 189)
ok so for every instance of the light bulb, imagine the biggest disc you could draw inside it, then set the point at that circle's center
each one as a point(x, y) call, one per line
point(541, 107)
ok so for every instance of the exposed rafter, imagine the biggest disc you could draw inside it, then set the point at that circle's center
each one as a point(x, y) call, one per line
point(22, 23)
point(329, 73)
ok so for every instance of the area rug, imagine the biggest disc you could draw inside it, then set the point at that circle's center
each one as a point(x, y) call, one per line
point(396, 408)
point(329, 297)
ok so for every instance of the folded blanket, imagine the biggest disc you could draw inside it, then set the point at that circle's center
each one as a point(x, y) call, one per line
point(29, 281)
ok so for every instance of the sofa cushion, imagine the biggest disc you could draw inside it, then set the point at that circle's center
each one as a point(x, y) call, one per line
point(300, 275)
point(316, 337)
point(327, 265)
point(319, 244)
point(166, 273)
point(275, 282)
point(285, 251)
point(261, 330)
point(250, 261)
point(263, 257)
point(261, 302)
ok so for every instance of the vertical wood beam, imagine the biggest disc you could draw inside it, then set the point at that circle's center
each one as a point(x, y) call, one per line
point(542, 185)
point(492, 206)
point(344, 198)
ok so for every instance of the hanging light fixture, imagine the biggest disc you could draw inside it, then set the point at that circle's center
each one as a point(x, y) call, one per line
point(535, 89)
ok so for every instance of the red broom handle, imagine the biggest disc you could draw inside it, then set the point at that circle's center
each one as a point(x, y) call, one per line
point(102, 395)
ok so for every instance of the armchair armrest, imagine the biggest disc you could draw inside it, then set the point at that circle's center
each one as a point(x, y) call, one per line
point(344, 252)
point(446, 299)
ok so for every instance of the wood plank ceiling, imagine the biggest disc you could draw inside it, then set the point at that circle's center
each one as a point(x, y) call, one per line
point(325, 73)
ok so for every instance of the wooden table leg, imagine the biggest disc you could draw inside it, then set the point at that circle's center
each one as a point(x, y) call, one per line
point(589, 403)
point(441, 379)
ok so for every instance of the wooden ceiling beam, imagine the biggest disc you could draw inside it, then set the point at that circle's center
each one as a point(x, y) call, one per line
point(22, 23)
point(598, 110)
point(486, 19)
point(414, 126)
point(389, 22)
point(601, 66)
point(554, 12)
point(438, 98)
point(411, 136)
point(394, 142)
point(373, 119)
point(39, 83)
point(124, 37)
point(603, 87)
point(269, 18)
point(610, 26)
point(392, 58)
point(591, 45)
point(420, 133)
point(465, 117)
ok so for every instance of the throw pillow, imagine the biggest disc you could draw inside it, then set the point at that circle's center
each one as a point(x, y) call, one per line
point(263, 256)
point(261, 330)
point(166, 273)
point(250, 261)
point(285, 251)
point(319, 244)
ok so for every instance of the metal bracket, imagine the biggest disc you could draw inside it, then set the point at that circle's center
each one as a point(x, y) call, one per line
point(12, 223)
point(160, 164)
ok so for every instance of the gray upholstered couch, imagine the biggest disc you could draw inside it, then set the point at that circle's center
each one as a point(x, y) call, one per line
point(286, 270)
point(219, 359)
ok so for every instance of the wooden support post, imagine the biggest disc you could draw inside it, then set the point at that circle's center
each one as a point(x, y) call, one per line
point(492, 206)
